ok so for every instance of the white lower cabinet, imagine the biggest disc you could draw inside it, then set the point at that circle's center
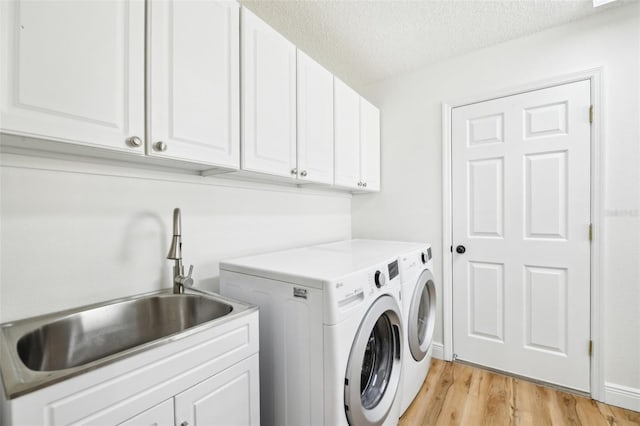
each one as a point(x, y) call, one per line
point(230, 398)
point(160, 415)
point(227, 399)
point(209, 377)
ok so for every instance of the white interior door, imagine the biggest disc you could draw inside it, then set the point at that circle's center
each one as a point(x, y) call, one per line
point(521, 208)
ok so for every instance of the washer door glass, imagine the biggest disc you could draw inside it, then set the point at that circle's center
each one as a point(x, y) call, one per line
point(377, 363)
point(373, 370)
point(422, 316)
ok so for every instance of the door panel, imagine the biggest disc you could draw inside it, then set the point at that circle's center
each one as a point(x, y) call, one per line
point(347, 135)
point(268, 98)
point(194, 83)
point(486, 199)
point(521, 207)
point(160, 415)
point(315, 121)
point(369, 146)
point(228, 398)
point(73, 71)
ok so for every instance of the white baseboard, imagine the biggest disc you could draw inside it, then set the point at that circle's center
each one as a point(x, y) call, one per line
point(621, 396)
point(437, 350)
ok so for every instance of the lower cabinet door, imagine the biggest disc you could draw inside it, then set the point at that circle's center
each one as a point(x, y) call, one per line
point(159, 415)
point(229, 398)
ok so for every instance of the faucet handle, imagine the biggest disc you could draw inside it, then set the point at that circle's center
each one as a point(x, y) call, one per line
point(188, 280)
point(185, 281)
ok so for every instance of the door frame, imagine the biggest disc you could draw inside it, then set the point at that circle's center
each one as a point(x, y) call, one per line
point(595, 76)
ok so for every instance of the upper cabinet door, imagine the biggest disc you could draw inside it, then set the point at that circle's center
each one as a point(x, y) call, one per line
point(347, 135)
point(73, 71)
point(315, 121)
point(268, 78)
point(194, 81)
point(369, 146)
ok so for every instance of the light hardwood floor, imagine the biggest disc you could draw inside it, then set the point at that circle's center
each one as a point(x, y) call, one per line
point(457, 394)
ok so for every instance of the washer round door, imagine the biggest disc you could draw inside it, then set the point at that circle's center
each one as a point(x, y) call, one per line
point(422, 316)
point(373, 369)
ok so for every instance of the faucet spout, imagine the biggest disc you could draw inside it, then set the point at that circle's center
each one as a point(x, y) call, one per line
point(180, 280)
point(175, 251)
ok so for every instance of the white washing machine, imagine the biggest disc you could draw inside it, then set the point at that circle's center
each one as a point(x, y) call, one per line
point(418, 306)
point(330, 334)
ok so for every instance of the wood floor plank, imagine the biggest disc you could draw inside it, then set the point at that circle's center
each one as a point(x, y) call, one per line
point(440, 393)
point(531, 404)
point(457, 394)
point(478, 398)
point(499, 410)
point(415, 415)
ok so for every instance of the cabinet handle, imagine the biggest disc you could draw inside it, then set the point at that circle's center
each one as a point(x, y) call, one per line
point(364, 184)
point(294, 171)
point(359, 183)
point(160, 146)
point(185, 423)
point(134, 142)
point(303, 173)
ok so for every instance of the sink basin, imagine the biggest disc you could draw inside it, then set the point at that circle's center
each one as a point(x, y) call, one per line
point(44, 350)
point(96, 333)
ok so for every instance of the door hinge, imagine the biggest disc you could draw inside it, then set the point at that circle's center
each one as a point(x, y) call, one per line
point(591, 232)
point(590, 347)
point(591, 114)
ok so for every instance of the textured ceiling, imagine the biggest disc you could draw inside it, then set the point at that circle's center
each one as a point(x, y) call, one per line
point(365, 41)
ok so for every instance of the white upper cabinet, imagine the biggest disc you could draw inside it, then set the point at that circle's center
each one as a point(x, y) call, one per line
point(369, 146)
point(268, 79)
point(347, 135)
point(73, 71)
point(357, 140)
point(193, 106)
point(315, 121)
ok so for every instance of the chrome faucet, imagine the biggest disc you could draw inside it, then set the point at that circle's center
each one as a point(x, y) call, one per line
point(180, 280)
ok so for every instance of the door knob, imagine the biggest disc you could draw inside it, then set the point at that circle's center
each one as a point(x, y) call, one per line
point(160, 146)
point(460, 249)
point(134, 142)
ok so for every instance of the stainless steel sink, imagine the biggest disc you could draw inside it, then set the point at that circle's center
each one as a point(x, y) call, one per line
point(40, 351)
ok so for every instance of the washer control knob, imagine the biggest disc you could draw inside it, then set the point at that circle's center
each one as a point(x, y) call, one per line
point(380, 279)
point(424, 257)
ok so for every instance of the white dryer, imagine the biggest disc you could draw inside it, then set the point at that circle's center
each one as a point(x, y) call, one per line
point(330, 334)
point(418, 298)
point(419, 313)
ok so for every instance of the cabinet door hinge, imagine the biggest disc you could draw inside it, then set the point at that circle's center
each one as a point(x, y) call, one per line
point(590, 347)
point(591, 114)
point(591, 232)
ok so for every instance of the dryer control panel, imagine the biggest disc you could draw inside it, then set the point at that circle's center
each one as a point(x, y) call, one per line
point(352, 292)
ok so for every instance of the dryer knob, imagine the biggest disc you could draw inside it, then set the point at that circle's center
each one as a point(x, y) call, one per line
point(380, 279)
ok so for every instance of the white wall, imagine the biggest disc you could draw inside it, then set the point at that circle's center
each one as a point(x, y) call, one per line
point(409, 206)
point(77, 233)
